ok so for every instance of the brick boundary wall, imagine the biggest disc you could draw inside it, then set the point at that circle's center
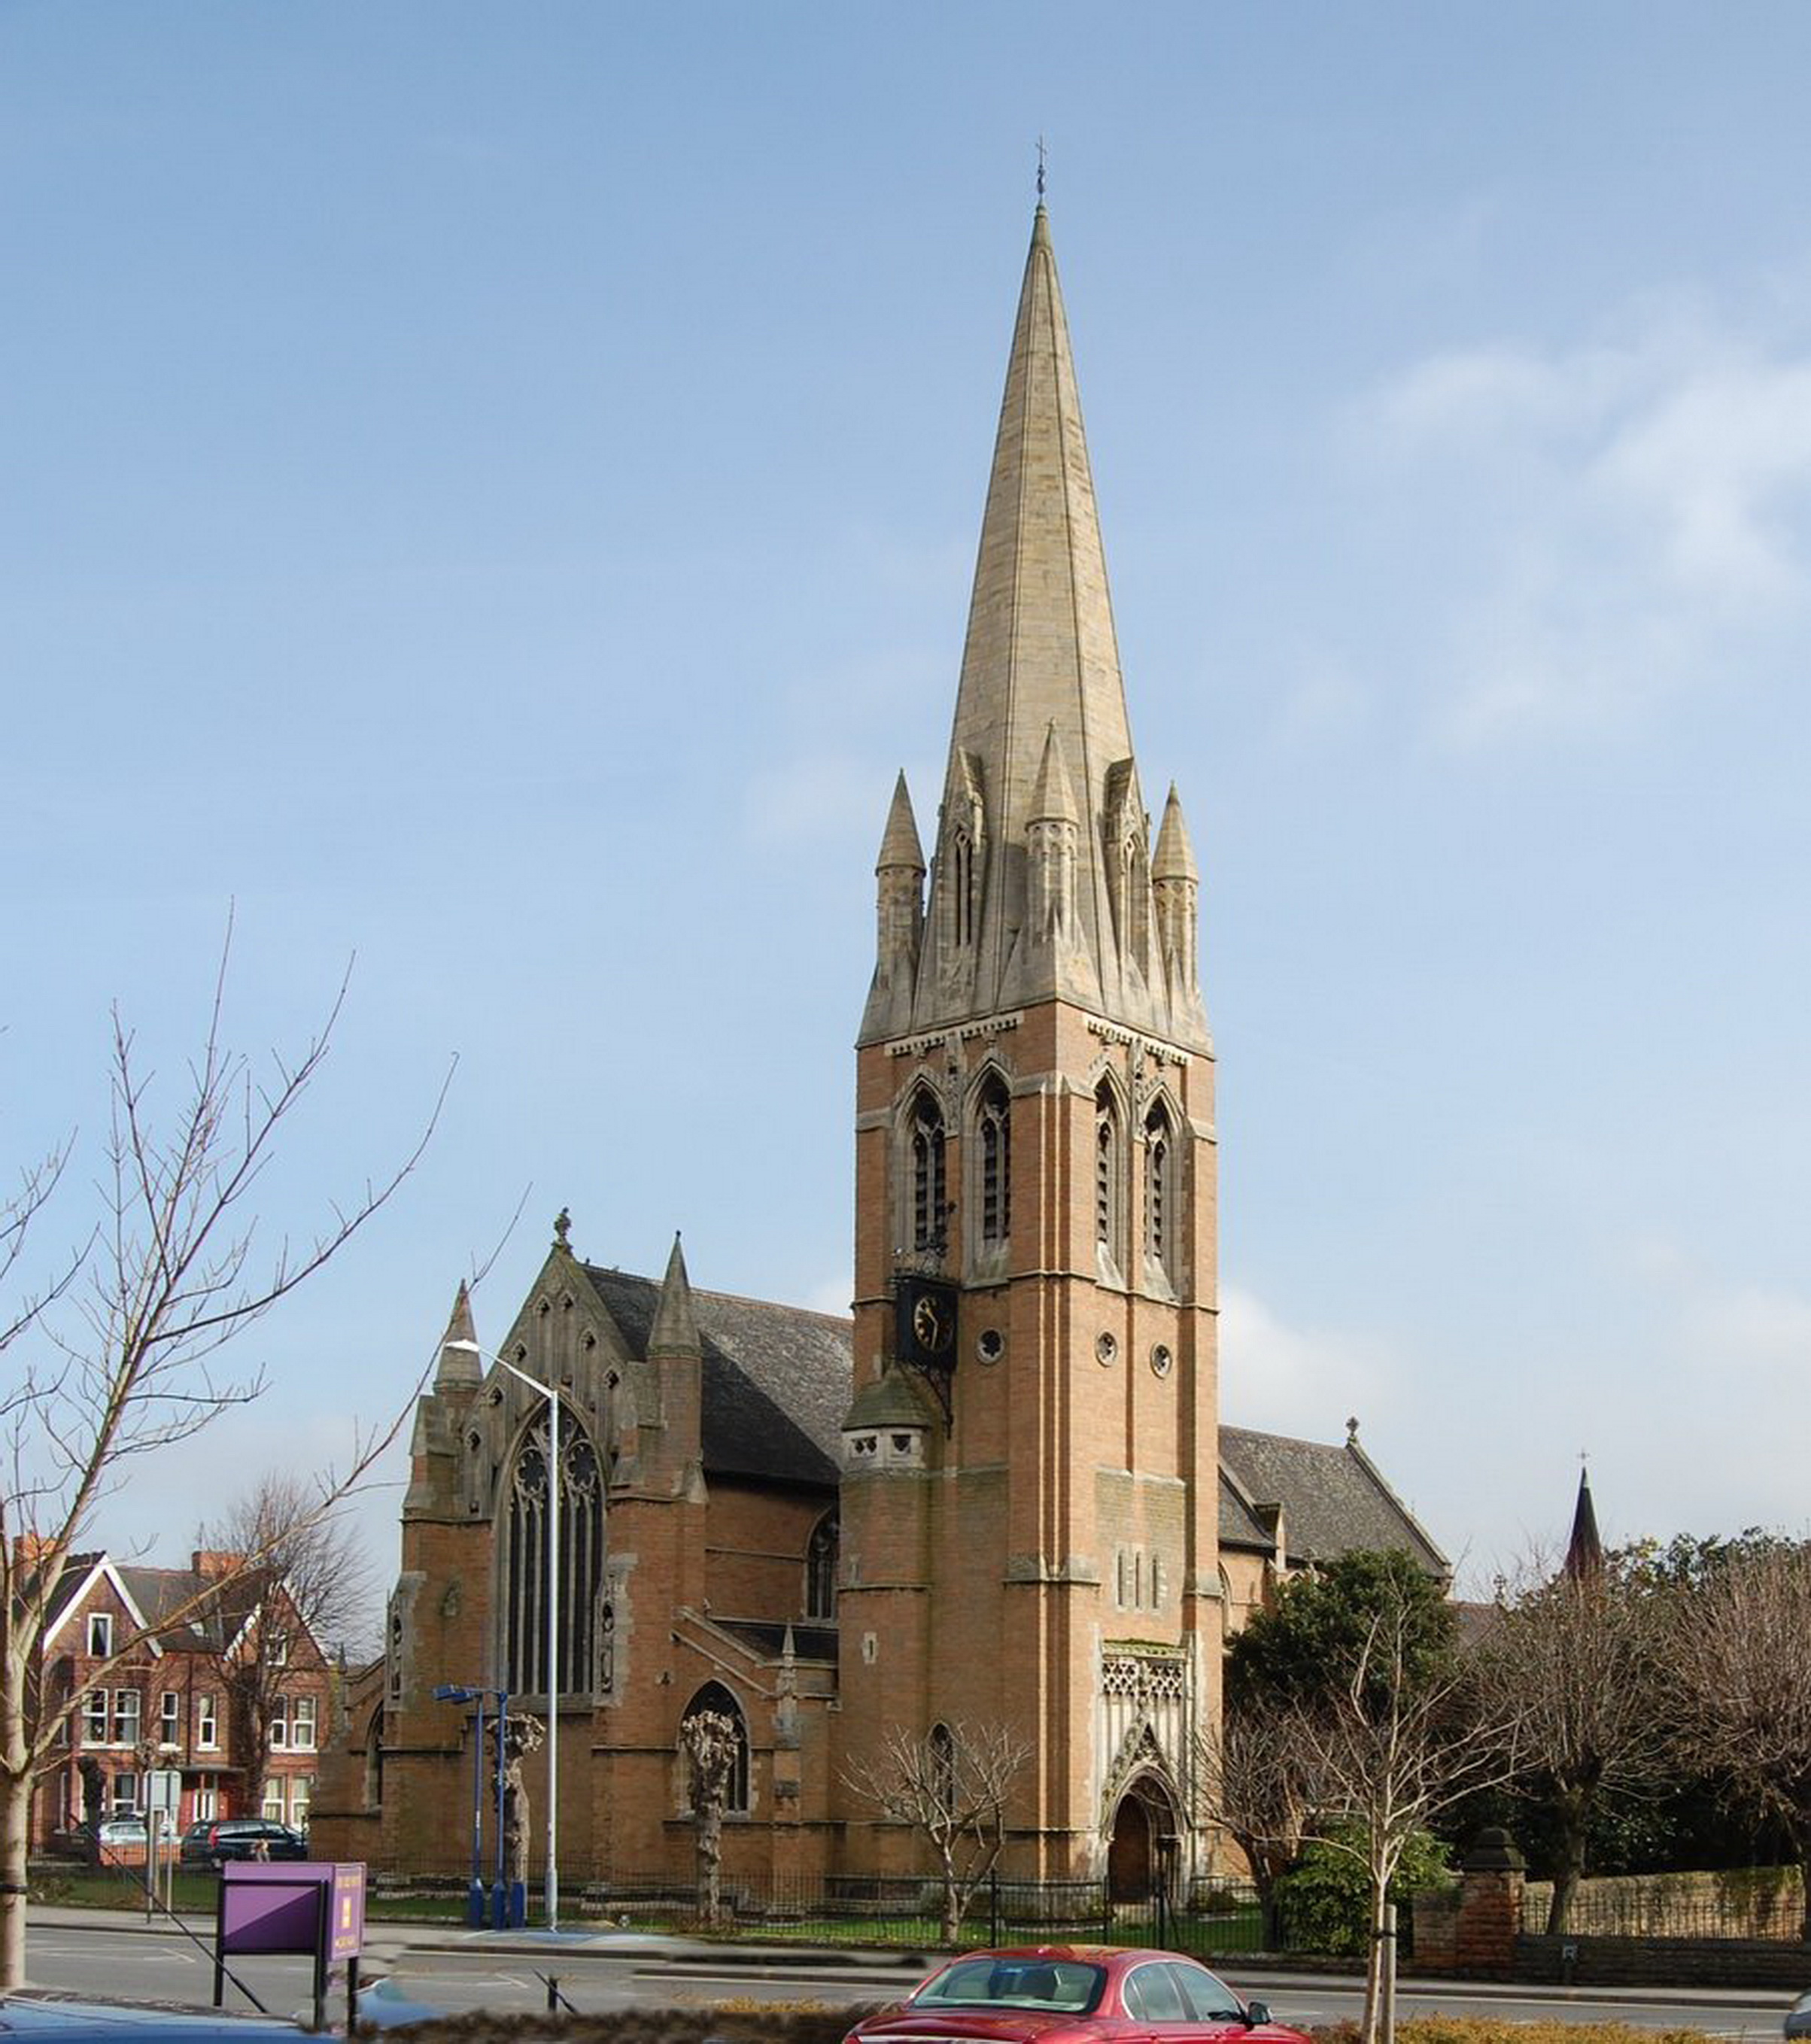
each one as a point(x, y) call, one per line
point(1663, 1961)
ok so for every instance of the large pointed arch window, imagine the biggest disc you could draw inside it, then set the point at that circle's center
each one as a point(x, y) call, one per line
point(714, 1697)
point(994, 1125)
point(925, 1148)
point(580, 1563)
point(1160, 1215)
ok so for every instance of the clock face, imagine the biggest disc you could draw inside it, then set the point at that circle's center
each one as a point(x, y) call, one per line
point(933, 1323)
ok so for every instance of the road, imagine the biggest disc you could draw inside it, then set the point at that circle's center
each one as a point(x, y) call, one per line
point(163, 1966)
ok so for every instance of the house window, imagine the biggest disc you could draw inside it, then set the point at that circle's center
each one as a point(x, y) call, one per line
point(821, 1569)
point(207, 1722)
point(301, 1799)
point(124, 1789)
point(170, 1714)
point(304, 1722)
point(580, 1562)
point(94, 1718)
point(994, 1126)
point(928, 1187)
point(127, 1706)
point(207, 1802)
point(713, 1696)
point(273, 1804)
point(279, 1722)
point(276, 1649)
point(100, 1634)
point(1160, 1193)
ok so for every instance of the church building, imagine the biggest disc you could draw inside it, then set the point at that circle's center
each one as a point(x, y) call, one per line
point(999, 1496)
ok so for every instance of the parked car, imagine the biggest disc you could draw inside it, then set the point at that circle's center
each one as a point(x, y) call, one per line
point(34, 2018)
point(1799, 2017)
point(120, 1832)
point(217, 1839)
point(1065, 1994)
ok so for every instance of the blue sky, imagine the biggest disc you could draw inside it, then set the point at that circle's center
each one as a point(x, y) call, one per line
point(491, 490)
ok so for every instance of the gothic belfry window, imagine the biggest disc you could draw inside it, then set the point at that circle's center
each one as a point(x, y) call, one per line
point(526, 1533)
point(1160, 1193)
point(994, 1122)
point(925, 1140)
point(1107, 1170)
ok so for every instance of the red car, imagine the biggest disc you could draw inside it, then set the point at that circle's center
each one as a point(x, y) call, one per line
point(1073, 1994)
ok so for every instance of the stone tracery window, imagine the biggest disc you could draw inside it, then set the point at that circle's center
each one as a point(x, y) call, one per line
point(580, 1563)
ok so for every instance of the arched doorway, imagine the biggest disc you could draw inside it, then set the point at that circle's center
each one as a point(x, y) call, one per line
point(1144, 1828)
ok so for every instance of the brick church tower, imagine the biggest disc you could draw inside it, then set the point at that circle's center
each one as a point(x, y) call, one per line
point(1030, 1458)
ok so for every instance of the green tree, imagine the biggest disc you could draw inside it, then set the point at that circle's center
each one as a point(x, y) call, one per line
point(1301, 1652)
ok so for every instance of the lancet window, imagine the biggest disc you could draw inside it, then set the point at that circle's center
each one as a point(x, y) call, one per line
point(994, 1122)
point(927, 1172)
point(821, 1569)
point(941, 1751)
point(1160, 1192)
point(1107, 1170)
point(529, 1570)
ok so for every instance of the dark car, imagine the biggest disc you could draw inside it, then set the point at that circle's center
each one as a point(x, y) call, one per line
point(1069, 1994)
point(218, 1838)
point(1799, 2017)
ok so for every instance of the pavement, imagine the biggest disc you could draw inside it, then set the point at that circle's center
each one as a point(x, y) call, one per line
point(387, 1943)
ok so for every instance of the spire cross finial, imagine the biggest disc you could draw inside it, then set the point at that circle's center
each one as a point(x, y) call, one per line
point(1040, 153)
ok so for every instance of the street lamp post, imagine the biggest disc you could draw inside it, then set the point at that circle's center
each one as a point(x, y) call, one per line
point(551, 1392)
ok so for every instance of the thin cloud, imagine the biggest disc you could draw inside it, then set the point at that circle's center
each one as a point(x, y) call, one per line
point(1614, 525)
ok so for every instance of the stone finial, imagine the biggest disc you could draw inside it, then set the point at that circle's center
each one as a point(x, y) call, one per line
point(563, 1228)
point(1353, 1431)
point(1052, 794)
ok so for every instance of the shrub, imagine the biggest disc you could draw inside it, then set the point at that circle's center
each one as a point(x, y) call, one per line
point(1323, 1901)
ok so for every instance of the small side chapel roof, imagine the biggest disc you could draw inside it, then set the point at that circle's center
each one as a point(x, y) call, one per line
point(776, 1378)
point(1333, 1499)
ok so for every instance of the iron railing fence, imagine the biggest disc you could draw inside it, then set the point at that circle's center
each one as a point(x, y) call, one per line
point(1212, 1918)
point(1762, 1903)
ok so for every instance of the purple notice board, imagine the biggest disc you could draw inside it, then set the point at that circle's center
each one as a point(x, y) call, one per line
point(280, 1907)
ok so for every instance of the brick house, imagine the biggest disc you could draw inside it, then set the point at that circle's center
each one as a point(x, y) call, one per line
point(154, 1659)
point(999, 1493)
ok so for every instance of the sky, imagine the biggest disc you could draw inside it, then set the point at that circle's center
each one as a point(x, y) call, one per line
point(490, 496)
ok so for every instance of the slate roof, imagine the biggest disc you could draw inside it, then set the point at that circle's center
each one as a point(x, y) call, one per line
point(776, 1378)
point(810, 1642)
point(1333, 1499)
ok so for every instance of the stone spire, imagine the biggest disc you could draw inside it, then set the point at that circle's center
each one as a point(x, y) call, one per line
point(1585, 1551)
point(899, 914)
point(675, 1329)
point(1041, 699)
point(461, 1365)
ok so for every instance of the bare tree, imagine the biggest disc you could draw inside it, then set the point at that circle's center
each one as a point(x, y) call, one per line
point(118, 1355)
point(952, 1787)
point(277, 1618)
point(1739, 1648)
point(1398, 1744)
point(711, 1741)
point(1251, 1776)
point(1574, 1658)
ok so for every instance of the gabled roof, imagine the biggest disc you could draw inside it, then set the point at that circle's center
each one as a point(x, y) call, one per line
point(81, 1573)
point(776, 1378)
point(1333, 1499)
